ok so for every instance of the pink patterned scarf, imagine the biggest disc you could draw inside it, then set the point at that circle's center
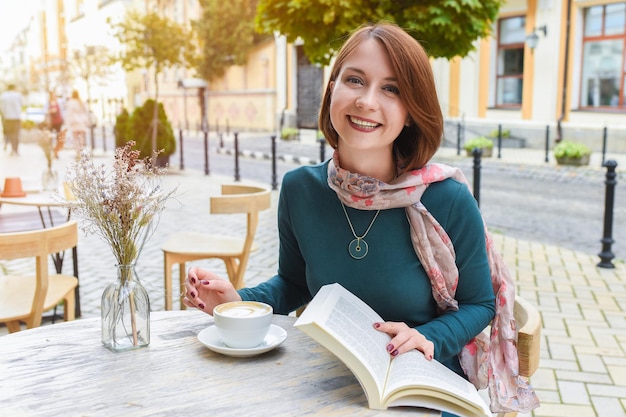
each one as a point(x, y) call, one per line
point(488, 361)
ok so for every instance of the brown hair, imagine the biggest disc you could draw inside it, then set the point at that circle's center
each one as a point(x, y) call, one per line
point(418, 142)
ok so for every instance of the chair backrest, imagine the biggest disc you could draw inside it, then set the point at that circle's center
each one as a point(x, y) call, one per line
point(39, 244)
point(528, 323)
point(237, 198)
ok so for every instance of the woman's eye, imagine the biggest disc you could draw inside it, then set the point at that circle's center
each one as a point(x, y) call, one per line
point(392, 89)
point(354, 80)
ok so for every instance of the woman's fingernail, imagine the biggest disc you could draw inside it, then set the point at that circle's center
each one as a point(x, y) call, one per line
point(394, 353)
point(192, 294)
point(201, 306)
point(430, 357)
point(205, 282)
point(389, 347)
point(193, 280)
point(376, 325)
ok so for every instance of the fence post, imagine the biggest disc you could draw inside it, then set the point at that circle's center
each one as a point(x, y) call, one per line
point(547, 143)
point(237, 177)
point(499, 141)
point(206, 152)
point(604, 135)
point(180, 146)
point(322, 150)
point(477, 152)
point(274, 176)
point(607, 239)
point(104, 139)
point(458, 138)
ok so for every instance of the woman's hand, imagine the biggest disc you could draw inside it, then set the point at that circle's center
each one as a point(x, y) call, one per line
point(204, 290)
point(405, 338)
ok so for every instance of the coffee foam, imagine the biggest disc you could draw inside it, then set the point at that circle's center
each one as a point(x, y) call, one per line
point(243, 310)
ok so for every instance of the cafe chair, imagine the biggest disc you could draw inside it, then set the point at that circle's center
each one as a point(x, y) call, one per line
point(24, 297)
point(528, 323)
point(183, 247)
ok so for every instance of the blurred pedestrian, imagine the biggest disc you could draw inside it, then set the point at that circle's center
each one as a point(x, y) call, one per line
point(11, 110)
point(76, 121)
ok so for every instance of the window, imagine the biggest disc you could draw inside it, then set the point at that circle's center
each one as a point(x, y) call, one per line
point(510, 64)
point(603, 68)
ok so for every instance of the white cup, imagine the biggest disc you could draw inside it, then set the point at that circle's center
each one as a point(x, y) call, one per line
point(243, 324)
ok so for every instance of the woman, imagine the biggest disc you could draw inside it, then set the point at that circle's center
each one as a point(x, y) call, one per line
point(405, 236)
point(76, 120)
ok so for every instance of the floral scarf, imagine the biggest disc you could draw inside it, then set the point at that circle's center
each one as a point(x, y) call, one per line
point(488, 361)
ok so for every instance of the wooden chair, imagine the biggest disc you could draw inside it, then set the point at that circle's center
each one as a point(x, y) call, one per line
point(183, 247)
point(528, 323)
point(24, 298)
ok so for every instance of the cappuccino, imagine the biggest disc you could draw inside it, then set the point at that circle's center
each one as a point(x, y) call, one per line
point(243, 324)
point(243, 309)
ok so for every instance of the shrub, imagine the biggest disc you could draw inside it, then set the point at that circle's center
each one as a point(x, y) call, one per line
point(139, 129)
point(506, 133)
point(120, 129)
point(479, 142)
point(569, 149)
point(289, 133)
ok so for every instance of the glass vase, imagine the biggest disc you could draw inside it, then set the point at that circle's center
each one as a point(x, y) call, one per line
point(125, 312)
point(49, 180)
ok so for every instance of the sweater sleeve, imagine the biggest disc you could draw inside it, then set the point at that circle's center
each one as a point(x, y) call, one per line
point(452, 330)
point(287, 290)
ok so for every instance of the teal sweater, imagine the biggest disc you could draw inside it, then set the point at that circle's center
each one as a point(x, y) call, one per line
point(314, 236)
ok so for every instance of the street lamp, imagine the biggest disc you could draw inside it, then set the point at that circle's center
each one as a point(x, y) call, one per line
point(533, 39)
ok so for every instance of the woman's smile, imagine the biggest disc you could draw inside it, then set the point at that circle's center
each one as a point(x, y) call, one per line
point(363, 124)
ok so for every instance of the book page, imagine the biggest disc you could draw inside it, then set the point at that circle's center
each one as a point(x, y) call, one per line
point(354, 327)
point(412, 369)
point(349, 321)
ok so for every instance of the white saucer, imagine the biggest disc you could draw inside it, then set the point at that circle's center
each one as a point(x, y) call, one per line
point(211, 339)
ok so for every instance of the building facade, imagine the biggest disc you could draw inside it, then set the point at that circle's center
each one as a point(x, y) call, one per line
point(552, 70)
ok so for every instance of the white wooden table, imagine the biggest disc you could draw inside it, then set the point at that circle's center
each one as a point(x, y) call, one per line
point(63, 370)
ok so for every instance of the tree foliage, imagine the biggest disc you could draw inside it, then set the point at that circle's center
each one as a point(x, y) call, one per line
point(152, 41)
point(226, 34)
point(446, 28)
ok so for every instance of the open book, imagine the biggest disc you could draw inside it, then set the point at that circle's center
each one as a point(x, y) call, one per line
point(343, 324)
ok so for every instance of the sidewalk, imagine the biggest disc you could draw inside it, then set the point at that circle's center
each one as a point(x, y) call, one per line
point(583, 359)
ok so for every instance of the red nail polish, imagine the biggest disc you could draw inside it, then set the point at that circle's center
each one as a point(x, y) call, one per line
point(376, 325)
point(201, 306)
point(192, 294)
point(389, 347)
point(205, 282)
point(394, 353)
point(193, 280)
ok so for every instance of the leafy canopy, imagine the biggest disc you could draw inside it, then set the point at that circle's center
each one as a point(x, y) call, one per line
point(446, 28)
point(225, 35)
point(149, 39)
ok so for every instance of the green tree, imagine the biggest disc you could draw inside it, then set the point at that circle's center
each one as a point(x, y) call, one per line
point(225, 34)
point(152, 41)
point(446, 28)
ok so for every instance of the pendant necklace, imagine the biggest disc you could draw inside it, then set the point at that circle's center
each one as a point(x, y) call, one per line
point(358, 246)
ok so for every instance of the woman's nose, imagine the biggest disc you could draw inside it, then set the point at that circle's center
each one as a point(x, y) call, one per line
point(367, 100)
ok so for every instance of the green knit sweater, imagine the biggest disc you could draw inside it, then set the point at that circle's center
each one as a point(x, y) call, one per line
point(314, 235)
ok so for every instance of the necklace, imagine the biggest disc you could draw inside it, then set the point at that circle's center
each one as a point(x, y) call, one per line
point(358, 246)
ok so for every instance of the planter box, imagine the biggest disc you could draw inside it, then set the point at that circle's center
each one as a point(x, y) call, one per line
point(487, 152)
point(573, 161)
point(511, 142)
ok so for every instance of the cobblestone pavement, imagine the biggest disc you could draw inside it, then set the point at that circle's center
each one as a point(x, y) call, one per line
point(583, 353)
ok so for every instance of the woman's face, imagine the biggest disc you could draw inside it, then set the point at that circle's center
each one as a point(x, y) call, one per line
point(365, 107)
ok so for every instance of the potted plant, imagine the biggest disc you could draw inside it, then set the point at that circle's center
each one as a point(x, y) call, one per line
point(572, 153)
point(289, 133)
point(122, 121)
point(479, 142)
